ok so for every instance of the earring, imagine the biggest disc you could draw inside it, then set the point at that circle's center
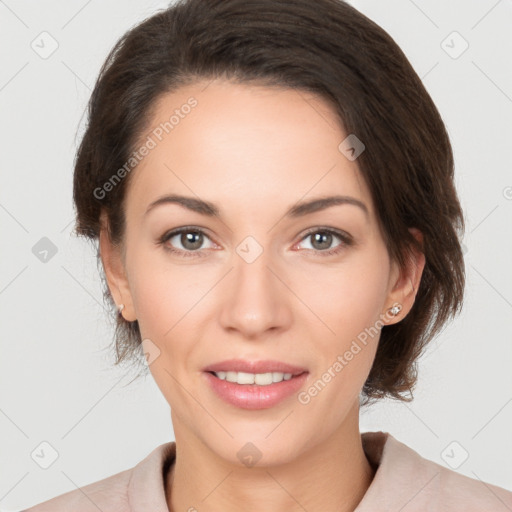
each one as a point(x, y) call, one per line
point(120, 308)
point(395, 309)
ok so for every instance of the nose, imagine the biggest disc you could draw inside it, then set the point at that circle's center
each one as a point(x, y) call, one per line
point(256, 298)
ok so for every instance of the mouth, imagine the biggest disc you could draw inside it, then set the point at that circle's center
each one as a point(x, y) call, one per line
point(259, 379)
point(254, 385)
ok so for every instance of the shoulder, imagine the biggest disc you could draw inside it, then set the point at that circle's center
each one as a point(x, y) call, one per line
point(405, 480)
point(107, 494)
point(130, 490)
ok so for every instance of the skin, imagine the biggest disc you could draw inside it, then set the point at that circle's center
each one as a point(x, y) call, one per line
point(255, 151)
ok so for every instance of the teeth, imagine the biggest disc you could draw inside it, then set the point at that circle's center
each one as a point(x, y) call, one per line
point(261, 379)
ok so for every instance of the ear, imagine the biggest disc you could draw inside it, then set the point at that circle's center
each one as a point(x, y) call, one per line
point(405, 283)
point(115, 271)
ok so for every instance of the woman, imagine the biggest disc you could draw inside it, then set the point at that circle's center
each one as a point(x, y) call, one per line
point(271, 188)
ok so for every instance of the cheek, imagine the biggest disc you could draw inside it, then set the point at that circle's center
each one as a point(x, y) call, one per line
point(349, 301)
point(351, 297)
point(164, 294)
point(167, 302)
point(350, 304)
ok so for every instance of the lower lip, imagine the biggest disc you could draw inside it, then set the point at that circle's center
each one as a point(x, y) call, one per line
point(253, 396)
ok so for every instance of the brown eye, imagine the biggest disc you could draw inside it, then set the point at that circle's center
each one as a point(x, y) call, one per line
point(185, 242)
point(191, 240)
point(321, 241)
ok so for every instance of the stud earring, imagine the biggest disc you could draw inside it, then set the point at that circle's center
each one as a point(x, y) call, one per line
point(395, 309)
point(120, 308)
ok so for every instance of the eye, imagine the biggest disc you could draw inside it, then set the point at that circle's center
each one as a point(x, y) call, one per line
point(191, 240)
point(322, 239)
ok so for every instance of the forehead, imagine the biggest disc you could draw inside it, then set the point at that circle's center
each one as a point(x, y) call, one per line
point(244, 146)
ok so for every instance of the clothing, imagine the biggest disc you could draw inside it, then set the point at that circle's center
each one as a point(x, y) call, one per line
point(404, 481)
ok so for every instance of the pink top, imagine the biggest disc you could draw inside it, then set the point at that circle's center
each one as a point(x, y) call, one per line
point(404, 481)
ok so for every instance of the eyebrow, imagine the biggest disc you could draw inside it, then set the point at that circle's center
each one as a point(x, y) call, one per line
point(298, 210)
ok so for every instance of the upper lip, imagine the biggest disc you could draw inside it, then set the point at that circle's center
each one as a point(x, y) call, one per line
point(242, 365)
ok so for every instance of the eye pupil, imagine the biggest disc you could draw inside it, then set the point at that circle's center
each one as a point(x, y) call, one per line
point(325, 240)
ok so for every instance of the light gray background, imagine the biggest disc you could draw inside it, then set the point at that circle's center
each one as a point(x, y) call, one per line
point(56, 380)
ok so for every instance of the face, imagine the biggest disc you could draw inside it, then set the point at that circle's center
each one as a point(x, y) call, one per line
point(253, 282)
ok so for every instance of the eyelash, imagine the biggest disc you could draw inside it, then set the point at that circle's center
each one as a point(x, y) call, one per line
point(346, 241)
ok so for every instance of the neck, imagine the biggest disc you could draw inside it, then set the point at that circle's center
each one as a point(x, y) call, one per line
point(332, 475)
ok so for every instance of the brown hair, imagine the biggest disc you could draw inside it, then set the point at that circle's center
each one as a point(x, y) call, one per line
point(326, 47)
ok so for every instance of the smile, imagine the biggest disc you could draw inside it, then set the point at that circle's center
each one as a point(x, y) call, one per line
point(261, 379)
